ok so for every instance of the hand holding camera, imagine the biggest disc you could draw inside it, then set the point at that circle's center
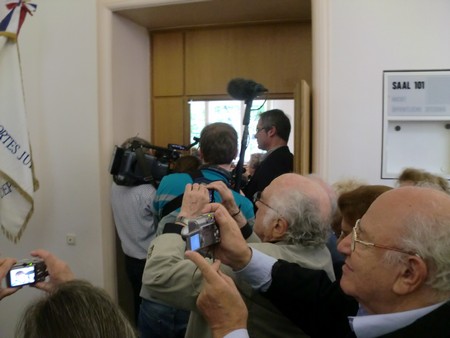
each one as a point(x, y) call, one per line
point(195, 197)
point(26, 272)
point(58, 270)
point(5, 265)
point(33, 271)
point(233, 250)
point(200, 233)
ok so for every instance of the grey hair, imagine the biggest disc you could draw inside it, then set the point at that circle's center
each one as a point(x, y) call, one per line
point(75, 309)
point(307, 226)
point(429, 237)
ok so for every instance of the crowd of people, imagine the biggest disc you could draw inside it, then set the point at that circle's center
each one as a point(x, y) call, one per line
point(297, 257)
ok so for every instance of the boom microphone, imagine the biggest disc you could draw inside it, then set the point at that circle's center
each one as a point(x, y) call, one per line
point(241, 89)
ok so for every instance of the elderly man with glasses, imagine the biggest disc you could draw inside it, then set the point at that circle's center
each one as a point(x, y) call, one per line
point(395, 283)
point(292, 223)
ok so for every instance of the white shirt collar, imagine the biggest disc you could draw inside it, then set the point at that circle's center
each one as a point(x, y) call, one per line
point(370, 326)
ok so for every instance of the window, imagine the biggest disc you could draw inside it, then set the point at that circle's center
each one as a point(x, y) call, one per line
point(232, 112)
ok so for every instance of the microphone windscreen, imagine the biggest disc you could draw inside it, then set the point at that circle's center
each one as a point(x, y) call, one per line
point(242, 89)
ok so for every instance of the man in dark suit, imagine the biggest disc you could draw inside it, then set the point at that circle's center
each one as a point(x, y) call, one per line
point(395, 283)
point(272, 135)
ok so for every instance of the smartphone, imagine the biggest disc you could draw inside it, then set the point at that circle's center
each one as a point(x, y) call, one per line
point(26, 273)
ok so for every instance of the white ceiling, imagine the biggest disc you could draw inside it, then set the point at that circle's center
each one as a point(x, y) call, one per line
point(218, 12)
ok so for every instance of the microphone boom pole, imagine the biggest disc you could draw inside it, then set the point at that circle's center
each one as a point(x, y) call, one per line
point(244, 143)
point(242, 89)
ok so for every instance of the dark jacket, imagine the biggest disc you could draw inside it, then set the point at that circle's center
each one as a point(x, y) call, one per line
point(278, 162)
point(319, 307)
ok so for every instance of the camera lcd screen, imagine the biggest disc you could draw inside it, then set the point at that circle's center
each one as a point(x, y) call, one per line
point(194, 242)
point(22, 276)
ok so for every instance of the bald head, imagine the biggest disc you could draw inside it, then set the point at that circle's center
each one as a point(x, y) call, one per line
point(305, 206)
point(416, 219)
point(312, 187)
point(409, 202)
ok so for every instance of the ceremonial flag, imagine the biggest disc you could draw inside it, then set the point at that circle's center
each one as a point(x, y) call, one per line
point(17, 181)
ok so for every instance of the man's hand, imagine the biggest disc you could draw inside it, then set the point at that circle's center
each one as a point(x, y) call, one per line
point(58, 270)
point(5, 266)
point(195, 197)
point(228, 201)
point(219, 301)
point(232, 250)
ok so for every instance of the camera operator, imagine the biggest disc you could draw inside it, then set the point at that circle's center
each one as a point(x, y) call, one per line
point(132, 207)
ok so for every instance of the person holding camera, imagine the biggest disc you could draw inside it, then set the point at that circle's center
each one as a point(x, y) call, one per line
point(217, 148)
point(395, 279)
point(71, 307)
point(292, 223)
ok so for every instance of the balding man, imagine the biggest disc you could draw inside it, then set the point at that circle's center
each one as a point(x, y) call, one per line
point(292, 220)
point(397, 269)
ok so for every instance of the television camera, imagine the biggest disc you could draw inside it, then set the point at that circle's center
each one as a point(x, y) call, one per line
point(143, 163)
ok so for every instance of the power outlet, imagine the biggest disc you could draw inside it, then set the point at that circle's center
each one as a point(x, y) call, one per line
point(71, 239)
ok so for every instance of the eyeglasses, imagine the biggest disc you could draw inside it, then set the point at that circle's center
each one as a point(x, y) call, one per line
point(259, 129)
point(257, 198)
point(356, 240)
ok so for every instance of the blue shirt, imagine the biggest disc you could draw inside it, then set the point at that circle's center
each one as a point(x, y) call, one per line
point(173, 185)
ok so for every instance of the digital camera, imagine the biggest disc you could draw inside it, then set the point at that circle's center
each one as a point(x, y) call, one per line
point(26, 272)
point(201, 232)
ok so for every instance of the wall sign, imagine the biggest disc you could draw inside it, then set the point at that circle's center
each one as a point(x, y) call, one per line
point(416, 122)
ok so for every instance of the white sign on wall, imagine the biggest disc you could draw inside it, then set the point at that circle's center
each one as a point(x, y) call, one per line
point(416, 122)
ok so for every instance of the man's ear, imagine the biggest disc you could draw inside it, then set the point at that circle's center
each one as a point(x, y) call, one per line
point(280, 229)
point(411, 276)
point(272, 131)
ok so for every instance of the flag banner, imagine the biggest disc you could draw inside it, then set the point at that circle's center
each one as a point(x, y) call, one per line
point(17, 181)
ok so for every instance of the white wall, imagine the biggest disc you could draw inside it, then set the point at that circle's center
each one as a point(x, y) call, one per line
point(58, 47)
point(366, 37)
point(78, 108)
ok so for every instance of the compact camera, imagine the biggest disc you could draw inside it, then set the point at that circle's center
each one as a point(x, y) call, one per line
point(211, 195)
point(26, 272)
point(201, 232)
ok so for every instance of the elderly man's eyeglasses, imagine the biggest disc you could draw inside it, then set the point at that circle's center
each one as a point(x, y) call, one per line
point(356, 240)
point(257, 198)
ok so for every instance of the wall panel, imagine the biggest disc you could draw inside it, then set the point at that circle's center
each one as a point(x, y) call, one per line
point(277, 55)
point(167, 64)
point(168, 120)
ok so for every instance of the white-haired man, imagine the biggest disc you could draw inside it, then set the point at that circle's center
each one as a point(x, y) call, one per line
point(397, 269)
point(292, 221)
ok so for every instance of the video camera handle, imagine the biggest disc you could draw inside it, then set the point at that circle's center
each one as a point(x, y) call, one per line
point(182, 147)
